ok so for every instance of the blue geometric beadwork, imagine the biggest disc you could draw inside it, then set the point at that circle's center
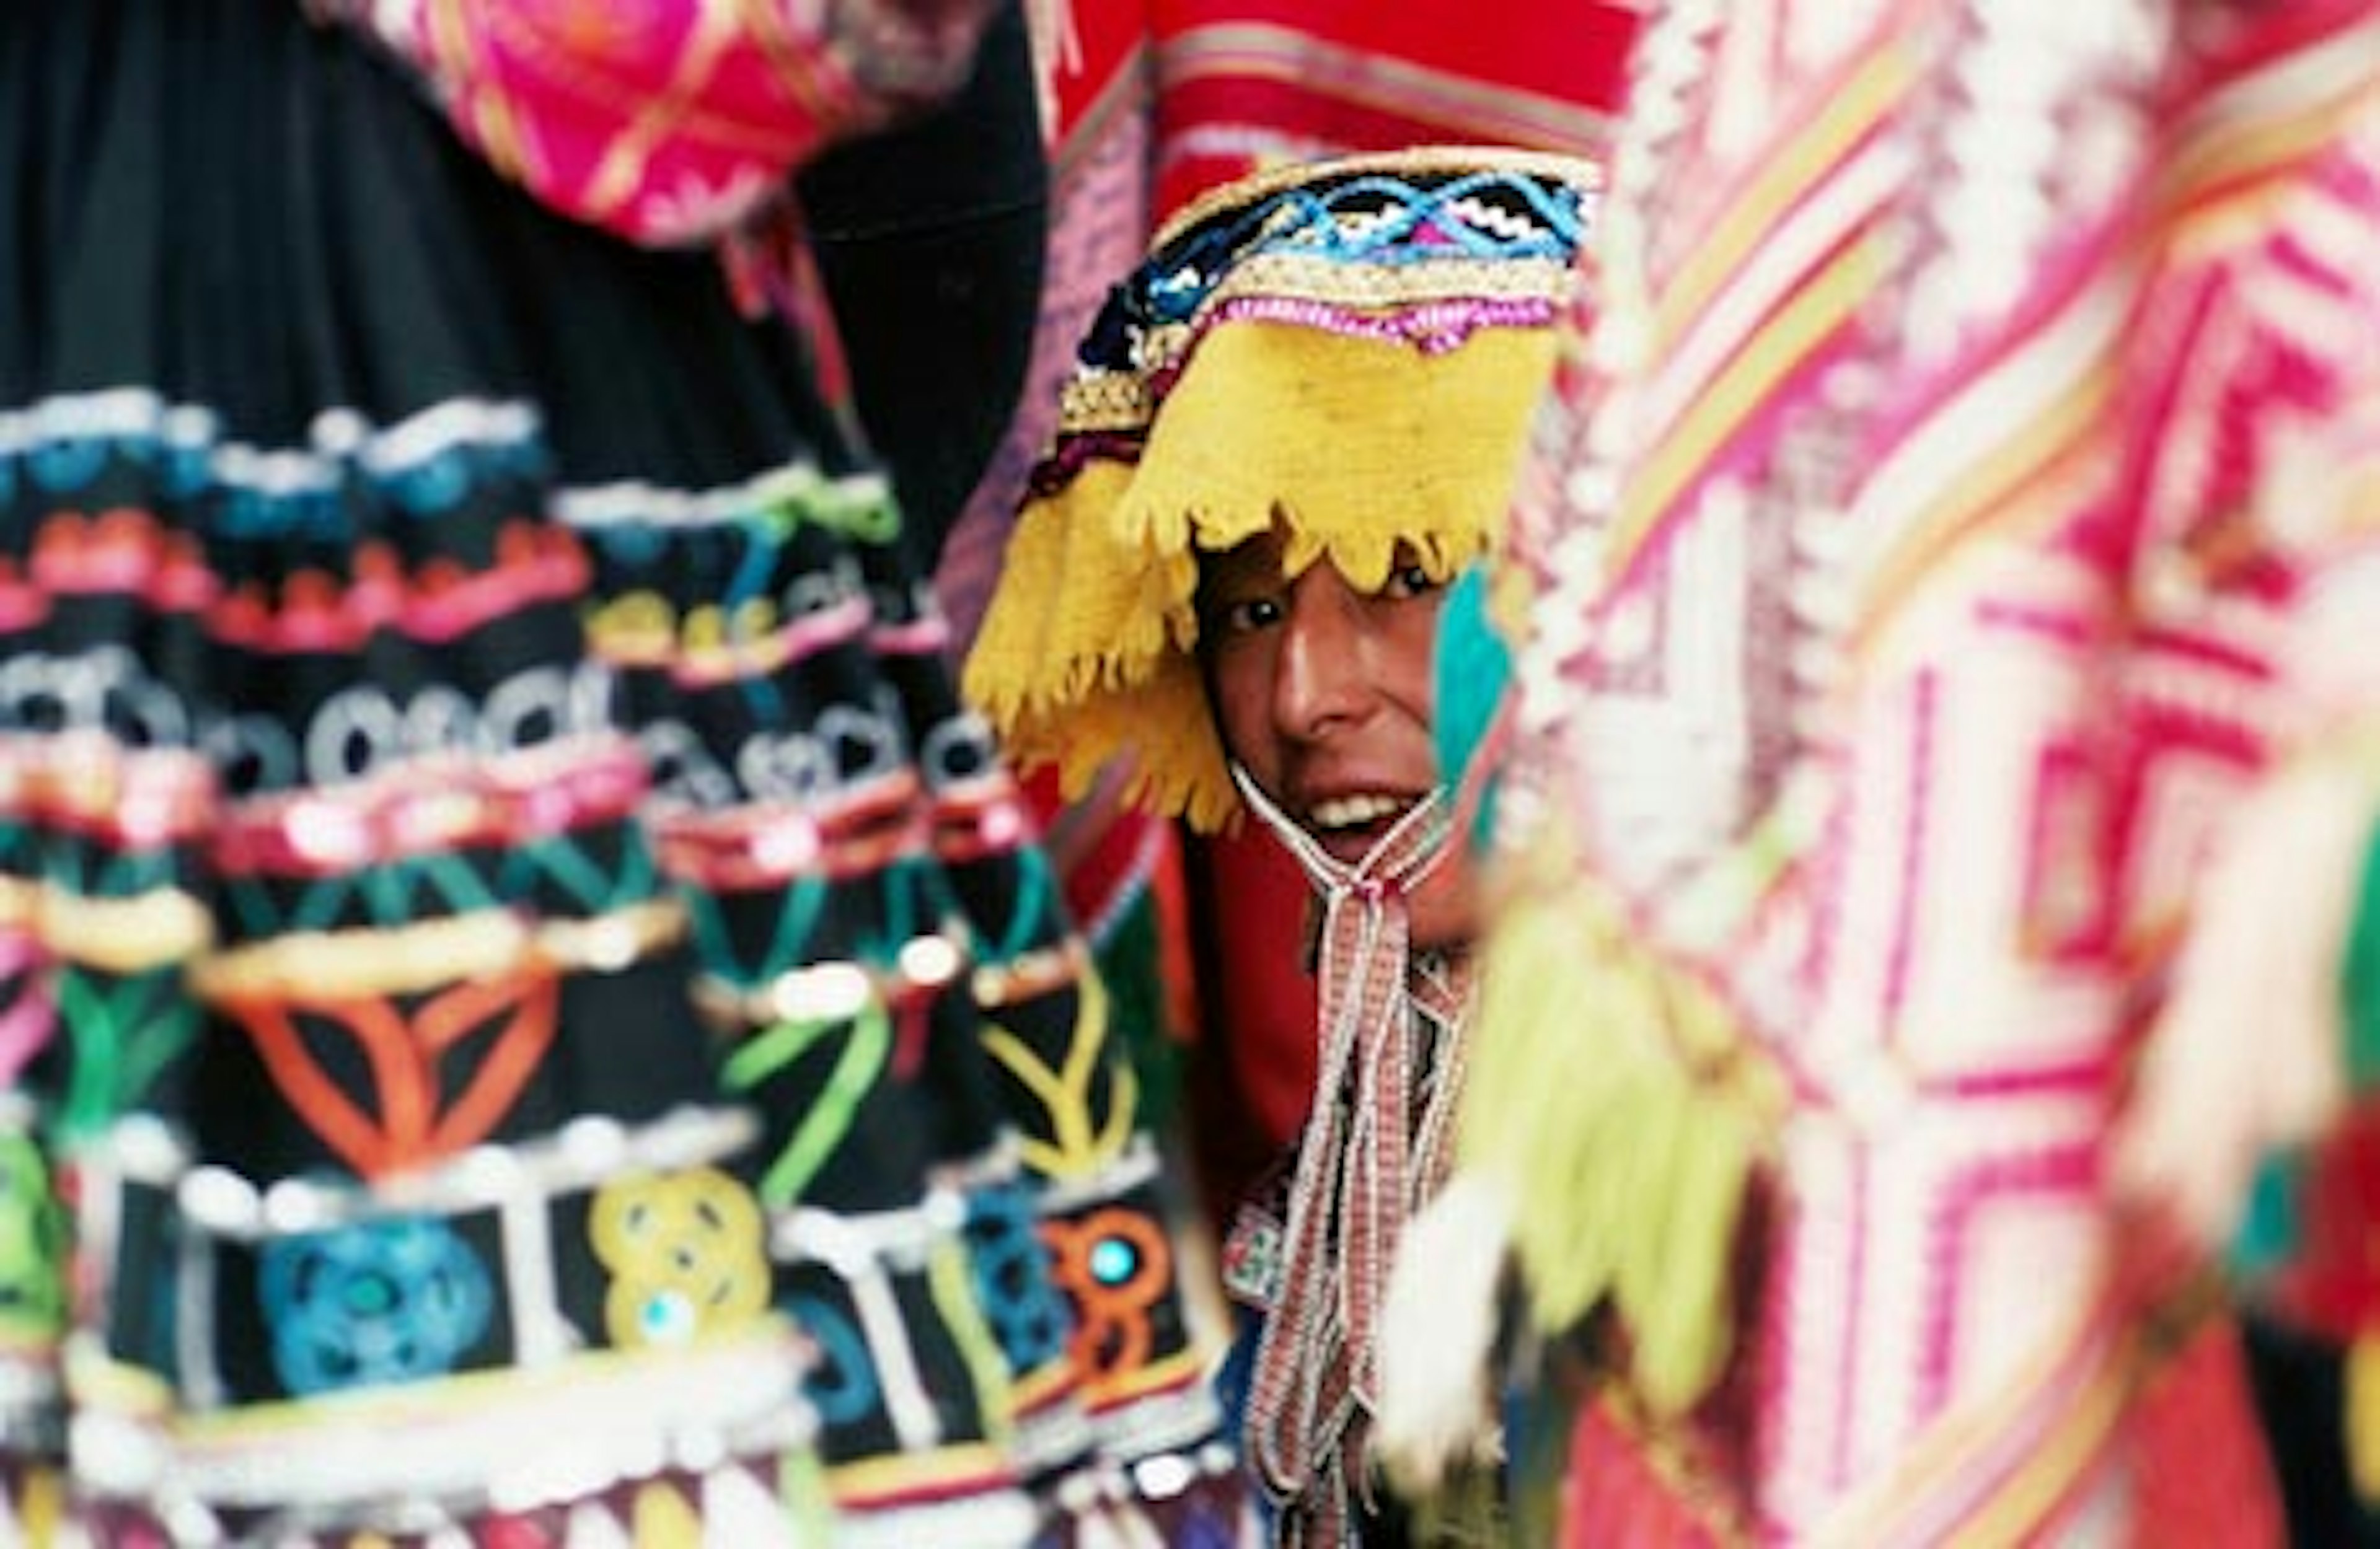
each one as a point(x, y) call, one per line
point(393, 1300)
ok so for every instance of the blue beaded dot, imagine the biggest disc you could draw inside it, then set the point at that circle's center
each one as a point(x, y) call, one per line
point(668, 1318)
point(1113, 1261)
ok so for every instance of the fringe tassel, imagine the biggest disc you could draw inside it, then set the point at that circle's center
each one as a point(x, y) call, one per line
point(1073, 664)
point(1437, 1331)
point(1260, 423)
point(1616, 1097)
point(2249, 1055)
point(1162, 730)
point(1060, 622)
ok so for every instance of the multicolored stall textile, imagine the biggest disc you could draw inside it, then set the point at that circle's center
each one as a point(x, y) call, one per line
point(533, 1015)
point(1954, 548)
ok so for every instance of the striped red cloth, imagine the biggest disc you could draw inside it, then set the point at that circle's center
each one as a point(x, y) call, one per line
point(1241, 83)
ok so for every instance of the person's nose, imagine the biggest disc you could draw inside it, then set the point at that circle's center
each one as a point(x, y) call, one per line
point(1322, 679)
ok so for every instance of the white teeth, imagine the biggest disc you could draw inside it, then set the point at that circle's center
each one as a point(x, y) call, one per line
point(1350, 812)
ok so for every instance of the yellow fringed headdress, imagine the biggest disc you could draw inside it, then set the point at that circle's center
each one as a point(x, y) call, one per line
point(1351, 348)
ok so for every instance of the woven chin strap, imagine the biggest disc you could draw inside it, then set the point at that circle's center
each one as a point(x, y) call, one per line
point(1375, 1147)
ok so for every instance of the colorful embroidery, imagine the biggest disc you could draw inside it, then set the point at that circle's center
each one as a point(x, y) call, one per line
point(668, 121)
point(126, 1032)
point(420, 1103)
point(1085, 1093)
point(392, 1301)
point(33, 1237)
point(840, 1383)
point(404, 797)
point(1011, 1266)
point(416, 1320)
point(865, 1055)
point(916, 1389)
point(687, 1256)
point(1116, 1265)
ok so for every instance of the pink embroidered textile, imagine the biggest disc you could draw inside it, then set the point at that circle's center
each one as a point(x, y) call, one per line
point(1963, 501)
point(669, 120)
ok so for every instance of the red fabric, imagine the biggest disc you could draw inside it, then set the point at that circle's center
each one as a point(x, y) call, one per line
point(1614, 1494)
point(2331, 1285)
point(1254, 1071)
point(1245, 82)
point(1105, 42)
point(1096, 845)
point(1262, 997)
point(2202, 1471)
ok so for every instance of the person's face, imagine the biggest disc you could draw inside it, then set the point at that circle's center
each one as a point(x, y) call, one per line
point(1324, 693)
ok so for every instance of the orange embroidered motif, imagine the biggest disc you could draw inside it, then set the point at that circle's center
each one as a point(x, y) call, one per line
point(1115, 1267)
point(510, 1021)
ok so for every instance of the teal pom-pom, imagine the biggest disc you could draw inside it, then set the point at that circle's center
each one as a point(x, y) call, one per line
point(1473, 667)
point(2272, 1228)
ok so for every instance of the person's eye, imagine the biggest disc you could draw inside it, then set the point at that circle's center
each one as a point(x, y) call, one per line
point(1242, 615)
point(1408, 580)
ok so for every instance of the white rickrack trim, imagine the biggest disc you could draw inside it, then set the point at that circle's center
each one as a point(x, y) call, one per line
point(340, 436)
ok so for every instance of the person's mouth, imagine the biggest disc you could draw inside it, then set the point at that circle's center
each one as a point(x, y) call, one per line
point(1349, 826)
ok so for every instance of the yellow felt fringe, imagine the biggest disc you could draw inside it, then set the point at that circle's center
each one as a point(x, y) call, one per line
point(1354, 446)
point(1357, 445)
point(1064, 580)
point(1616, 1097)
